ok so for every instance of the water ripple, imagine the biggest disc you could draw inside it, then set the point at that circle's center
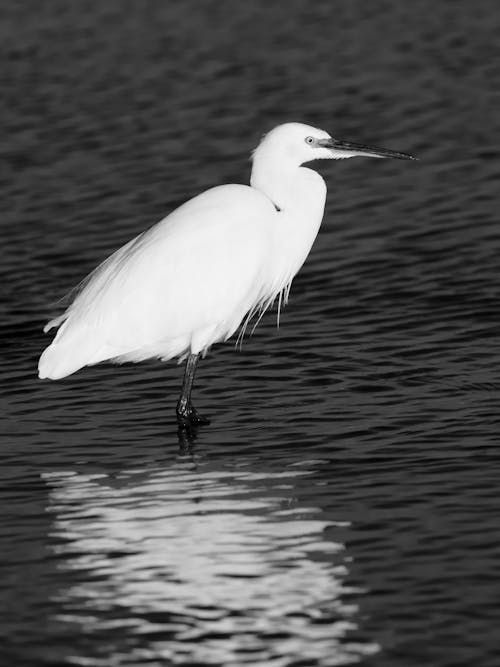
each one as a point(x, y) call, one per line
point(201, 566)
point(345, 496)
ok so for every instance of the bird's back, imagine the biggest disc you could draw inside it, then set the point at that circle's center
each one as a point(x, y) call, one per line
point(183, 284)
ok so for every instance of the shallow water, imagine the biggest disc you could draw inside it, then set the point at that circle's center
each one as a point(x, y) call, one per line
point(343, 505)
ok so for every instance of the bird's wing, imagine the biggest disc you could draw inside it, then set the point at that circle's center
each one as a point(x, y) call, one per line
point(202, 266)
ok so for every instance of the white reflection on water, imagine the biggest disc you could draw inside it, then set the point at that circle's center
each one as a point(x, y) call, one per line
point(218, 567)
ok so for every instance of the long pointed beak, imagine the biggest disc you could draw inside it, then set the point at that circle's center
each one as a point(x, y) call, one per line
point(362, 149)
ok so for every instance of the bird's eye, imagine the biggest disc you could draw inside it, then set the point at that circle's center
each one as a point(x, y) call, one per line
point(309, 140)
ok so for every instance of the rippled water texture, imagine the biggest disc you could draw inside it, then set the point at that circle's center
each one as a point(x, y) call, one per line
point(343, 505)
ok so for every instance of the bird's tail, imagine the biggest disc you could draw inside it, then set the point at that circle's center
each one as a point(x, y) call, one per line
point(59, 360)
point(72, 348)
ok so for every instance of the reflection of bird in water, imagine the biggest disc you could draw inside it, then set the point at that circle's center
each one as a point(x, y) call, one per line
point(187, 434)
point(193, 278)
point(195, 563)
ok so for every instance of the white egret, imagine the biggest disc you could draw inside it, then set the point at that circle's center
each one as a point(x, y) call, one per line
point(196, 276)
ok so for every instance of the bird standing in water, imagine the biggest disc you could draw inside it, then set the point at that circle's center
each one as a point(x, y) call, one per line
point(192, 279)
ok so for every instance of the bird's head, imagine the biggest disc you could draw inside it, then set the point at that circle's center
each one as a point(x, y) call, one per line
point(297, 143)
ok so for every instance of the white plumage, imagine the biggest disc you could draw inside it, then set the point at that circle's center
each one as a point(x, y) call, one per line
point(179, 286)
point(190, 281)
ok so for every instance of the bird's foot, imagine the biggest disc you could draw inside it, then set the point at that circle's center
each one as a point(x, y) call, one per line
point(187, 415)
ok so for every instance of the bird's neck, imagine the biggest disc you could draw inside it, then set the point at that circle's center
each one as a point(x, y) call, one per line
point(291, 188)
point(299, 195)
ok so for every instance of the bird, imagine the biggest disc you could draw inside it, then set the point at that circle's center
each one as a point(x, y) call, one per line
point(201, 273)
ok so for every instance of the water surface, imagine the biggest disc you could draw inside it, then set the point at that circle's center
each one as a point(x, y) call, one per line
point(343, 505)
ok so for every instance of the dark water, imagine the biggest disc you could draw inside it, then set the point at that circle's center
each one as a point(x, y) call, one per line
point(343, 506)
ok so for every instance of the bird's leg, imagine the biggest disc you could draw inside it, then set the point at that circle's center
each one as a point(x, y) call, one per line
point(186, 413)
